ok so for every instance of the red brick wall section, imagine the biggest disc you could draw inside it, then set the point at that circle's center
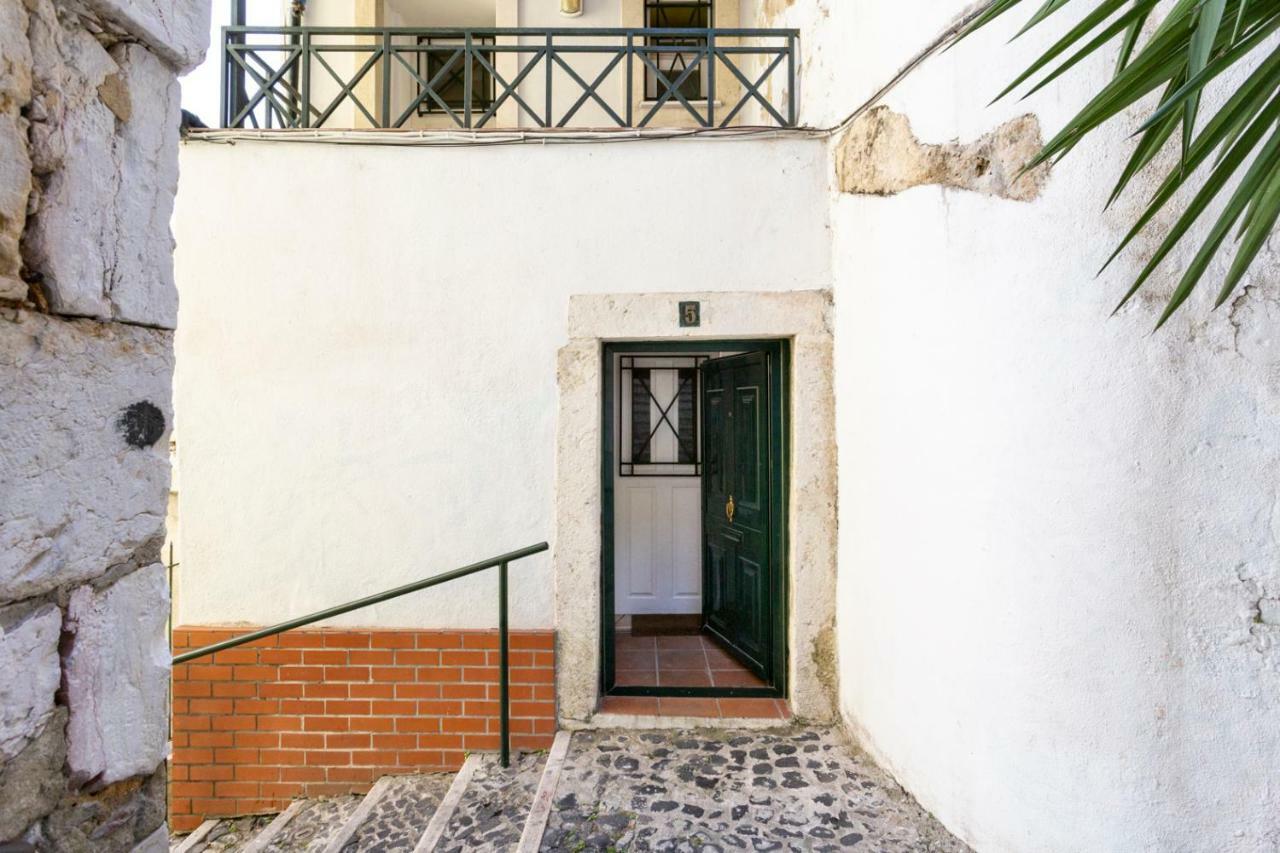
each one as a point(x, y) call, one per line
point(319, 713)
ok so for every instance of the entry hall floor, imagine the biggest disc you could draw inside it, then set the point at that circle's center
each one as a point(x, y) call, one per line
point(714, 790)
point(684, 661)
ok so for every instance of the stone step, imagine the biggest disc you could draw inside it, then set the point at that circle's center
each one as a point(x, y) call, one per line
point(391, 819)
point(311, 826)
point(491, 813)
point(224, 836)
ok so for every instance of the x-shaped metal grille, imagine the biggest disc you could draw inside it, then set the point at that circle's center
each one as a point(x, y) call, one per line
point(689, 453)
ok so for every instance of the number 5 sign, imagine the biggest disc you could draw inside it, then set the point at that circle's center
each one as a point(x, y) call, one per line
point(690, 314)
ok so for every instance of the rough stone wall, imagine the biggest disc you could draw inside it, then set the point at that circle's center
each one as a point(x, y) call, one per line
point(88, 172)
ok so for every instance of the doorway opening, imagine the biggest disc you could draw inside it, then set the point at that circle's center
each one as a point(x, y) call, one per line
point(695, 443)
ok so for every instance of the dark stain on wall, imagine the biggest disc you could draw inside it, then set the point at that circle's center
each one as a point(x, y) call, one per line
point(141, 424)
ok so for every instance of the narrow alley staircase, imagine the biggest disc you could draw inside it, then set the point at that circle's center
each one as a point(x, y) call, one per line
point(690, 790)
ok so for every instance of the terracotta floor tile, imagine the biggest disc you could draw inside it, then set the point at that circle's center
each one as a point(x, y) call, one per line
point(735, 678)
point(679, 642)
point(637, 677)
point(682, 659)
point(626, 641)
point(635, 660)
point(684, 678)
point(720, 659)
point(629, 705)
point(766, 708)
point(689, 707)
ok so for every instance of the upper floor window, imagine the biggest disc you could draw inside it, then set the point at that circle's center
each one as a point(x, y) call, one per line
point(440, 54)
point(682, 15)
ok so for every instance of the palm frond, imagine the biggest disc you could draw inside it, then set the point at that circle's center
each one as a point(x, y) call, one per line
point(1183, 51)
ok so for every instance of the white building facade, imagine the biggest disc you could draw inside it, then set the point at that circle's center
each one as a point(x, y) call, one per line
point(1024, 553)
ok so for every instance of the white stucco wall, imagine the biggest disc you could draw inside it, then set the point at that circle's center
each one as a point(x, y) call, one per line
point(1058, 532)
point(366, 388)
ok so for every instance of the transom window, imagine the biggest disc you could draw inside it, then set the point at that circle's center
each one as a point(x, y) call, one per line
point(658, 405)
point(452, 88)
point(683, 15)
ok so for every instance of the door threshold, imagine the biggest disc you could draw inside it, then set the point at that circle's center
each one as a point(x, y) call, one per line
point(718, 710)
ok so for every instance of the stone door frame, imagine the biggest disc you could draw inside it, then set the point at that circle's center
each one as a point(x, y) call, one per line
point(803, 318)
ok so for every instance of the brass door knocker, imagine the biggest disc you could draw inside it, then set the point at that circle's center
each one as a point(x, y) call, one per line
point(729, 509)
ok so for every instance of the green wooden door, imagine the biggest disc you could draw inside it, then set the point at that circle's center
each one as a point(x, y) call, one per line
point(737, 570)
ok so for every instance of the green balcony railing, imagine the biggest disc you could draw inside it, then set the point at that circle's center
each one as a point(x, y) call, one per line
point(397, 77)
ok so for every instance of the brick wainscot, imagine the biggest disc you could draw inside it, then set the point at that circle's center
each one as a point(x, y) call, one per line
point(319, 713)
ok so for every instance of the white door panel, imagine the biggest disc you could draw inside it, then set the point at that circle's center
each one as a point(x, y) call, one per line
point(658, 555)
point(657, 519)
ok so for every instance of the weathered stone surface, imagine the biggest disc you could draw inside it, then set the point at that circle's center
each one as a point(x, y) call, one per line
point(141, 284)
point(100, 237)
point(75, 496)
point(879, 155)
point(176, 31)
point(121, 818)
point(70, 238)
point(32, 671)
point(156, 842)
point(118, 678)
point(495, 806)
point(15, 164)
point(31, 783)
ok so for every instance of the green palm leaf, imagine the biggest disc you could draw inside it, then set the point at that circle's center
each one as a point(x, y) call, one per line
point(1191, 44)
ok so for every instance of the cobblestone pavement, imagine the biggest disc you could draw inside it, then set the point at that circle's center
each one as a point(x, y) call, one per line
point(312, 827)
point(492, 813)
point(706, 791)
point(400, 815)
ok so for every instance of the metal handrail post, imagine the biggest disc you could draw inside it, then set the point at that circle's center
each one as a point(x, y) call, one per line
point(504, 668)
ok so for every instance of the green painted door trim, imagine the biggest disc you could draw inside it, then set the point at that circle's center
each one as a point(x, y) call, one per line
point(779, 466)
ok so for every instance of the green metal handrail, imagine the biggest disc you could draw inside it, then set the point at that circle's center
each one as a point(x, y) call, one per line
point(504, 638)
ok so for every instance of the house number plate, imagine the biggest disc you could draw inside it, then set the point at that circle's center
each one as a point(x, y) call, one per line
point(690, 314)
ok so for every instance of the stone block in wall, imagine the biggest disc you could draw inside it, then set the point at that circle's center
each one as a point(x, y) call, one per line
point(125, 817)
point(142, 288)
point(31, 783)
point(104, 145)
point(84, 464)
point(176, 30)
point(117, 678)
point(15, 164)
point(32, 671)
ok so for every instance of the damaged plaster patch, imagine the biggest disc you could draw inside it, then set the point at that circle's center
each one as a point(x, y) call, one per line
point(879, 155)
point(771, 9)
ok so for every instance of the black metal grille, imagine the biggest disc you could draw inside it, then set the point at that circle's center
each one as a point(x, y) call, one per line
point(651, 413)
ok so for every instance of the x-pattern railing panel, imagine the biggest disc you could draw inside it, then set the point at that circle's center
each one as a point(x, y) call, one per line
point(304, 76)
